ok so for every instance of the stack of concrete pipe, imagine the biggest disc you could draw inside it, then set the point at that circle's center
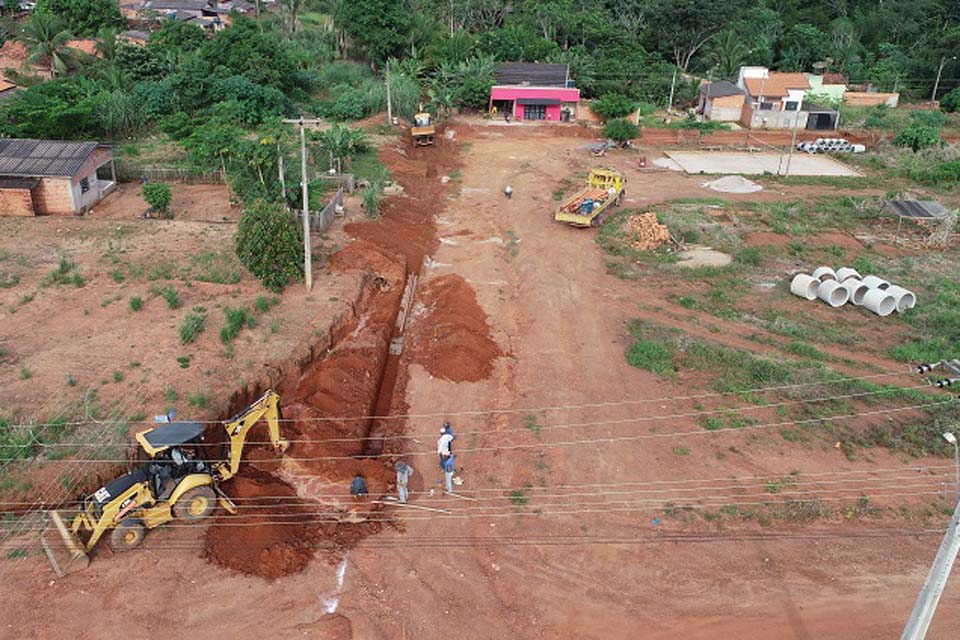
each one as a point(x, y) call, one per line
point(844, 285)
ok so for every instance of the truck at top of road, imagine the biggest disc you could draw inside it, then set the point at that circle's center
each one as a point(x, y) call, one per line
point(590, 206)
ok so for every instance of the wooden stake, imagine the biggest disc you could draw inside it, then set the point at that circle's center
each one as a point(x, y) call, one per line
point(410, 506)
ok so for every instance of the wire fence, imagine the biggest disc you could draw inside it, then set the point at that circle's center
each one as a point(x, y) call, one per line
point(130, 171)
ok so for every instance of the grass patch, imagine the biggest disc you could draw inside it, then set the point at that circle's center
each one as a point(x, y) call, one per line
point(518, 497)
point(681, 451)
point(264, 304)
point(8, 280)
point(804, 350)
point(118, 375)
point(219, 267)
point(235, 319)
point(198, 399)
point(935, 325)
point(651, 356)
point(183, 361)
point(530, 422)
point(25, 373)
point(136, 303)
point(169, 294)
point(170, 394)
point(66, 273)
point(193, 325)
point(16, 554)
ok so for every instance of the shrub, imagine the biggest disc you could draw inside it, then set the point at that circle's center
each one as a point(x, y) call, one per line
point(371, 199)
point(613, 105)
point(158, 196)
point(193, 325)
point(751, 256)
point(621, 131)
point(918, 136)
point(652, 356)
point(951, 102)
point(269, 244)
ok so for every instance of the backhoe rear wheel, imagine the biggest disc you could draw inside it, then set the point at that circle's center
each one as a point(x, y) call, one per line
point(196, 504)
point(127, 535)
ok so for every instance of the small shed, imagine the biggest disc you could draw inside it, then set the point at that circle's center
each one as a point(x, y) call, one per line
point(819, 117)
point(928, 214)
point(535, 91)
point(53, 177)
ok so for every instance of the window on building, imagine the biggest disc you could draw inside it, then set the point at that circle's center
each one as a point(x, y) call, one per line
point(791, 105)
point(766, 106)
point(84, 185)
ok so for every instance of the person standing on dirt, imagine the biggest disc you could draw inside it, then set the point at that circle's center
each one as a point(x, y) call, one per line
point(508, 192)
point(448, 469)
point(445, 443)
point(404, 471)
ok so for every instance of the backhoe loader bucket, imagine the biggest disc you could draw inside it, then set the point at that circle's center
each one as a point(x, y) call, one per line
point(64, 549)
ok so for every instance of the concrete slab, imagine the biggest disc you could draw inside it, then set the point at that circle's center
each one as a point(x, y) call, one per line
point(722, 162)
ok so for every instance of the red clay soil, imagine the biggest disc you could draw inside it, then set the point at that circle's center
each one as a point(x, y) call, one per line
point(452, 338)
point(275, 541)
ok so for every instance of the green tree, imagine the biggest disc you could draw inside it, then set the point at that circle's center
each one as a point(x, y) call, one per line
point(158, 196)
point(621, 131)
point(802, 45)
point(613, 105)
point(84, 18)
point(45, 36)
point(244, 50)
point(140, 63)
point(176, 38)
point(64, 108)
point(378, 27)
point(729, 52)
point(681, 28)
point(269, 243)
point(951, 101)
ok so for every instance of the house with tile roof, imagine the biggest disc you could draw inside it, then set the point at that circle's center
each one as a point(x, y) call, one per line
point(774, 99)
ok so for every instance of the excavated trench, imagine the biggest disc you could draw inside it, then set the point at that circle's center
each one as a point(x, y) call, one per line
point(302, 500)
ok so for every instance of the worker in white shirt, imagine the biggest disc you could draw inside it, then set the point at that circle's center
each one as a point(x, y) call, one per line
point(445, 442)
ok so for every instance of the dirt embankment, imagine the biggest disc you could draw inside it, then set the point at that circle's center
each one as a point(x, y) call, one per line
point(301, 503)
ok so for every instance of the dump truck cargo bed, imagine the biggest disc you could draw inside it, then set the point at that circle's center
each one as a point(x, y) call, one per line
point(590, 206)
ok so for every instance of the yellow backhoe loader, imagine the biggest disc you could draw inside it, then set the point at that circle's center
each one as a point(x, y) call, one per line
point(176, 483)
point(423, 130)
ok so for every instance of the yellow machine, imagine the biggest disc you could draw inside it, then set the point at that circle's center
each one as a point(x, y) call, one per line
point(176, 483)
point(590, 206)
point(423, 131)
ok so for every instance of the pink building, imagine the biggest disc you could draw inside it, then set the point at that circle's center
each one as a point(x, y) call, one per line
point(532, 91)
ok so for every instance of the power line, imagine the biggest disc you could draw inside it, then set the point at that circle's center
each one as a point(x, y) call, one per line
point(543, 409)
point(611, 439)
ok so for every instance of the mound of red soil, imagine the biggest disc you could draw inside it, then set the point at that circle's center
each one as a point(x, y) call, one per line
point(452, 339)
point(276, 538)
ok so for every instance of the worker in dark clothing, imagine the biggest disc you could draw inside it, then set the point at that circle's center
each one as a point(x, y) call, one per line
point(358, 488)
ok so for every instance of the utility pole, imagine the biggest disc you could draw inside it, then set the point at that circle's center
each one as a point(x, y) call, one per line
point(389, 102)
point(673, 84)
point(793, 142)
point(929, 597)
point(307, 258)
point(936, 85)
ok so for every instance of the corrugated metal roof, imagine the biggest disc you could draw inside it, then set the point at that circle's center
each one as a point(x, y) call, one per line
point(18, 183)
point(532, 73)
point(721, 89)
point(36, 158)
point(917, 209)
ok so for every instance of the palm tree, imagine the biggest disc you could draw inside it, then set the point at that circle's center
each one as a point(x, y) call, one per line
point(45, 35)
point(729, 53)
point(341, 143)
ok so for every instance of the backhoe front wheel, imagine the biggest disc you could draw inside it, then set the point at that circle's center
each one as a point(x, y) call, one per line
point(195, 504)
point(127, 535)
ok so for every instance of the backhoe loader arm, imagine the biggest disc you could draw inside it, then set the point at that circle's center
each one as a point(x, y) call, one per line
point(268, 408)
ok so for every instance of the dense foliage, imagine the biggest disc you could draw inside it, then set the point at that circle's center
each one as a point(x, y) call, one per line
point(83, 18)
point(269, 244)
point(158, 196)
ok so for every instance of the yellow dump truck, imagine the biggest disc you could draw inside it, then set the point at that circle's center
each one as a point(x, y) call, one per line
point(590, 206)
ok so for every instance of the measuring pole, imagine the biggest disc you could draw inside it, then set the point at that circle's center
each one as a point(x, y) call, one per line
point(929, 597)
point(389, 103)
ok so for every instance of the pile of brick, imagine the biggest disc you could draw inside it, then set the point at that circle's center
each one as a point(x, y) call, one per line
point(646, 232)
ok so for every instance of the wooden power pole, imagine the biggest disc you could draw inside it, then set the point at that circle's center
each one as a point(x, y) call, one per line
point(307, 258)
point(389, 102)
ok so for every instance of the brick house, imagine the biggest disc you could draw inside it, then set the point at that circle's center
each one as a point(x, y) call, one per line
point(721, 101)
point(50, 177)
point(774, 99)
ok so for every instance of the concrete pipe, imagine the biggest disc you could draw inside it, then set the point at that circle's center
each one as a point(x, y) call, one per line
point(845, 273)
point(804, 286)
point(905, 298)
point(875, 283)
point(824, 273)
point(880, 302)
point(856, 289)
point(833, 293)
